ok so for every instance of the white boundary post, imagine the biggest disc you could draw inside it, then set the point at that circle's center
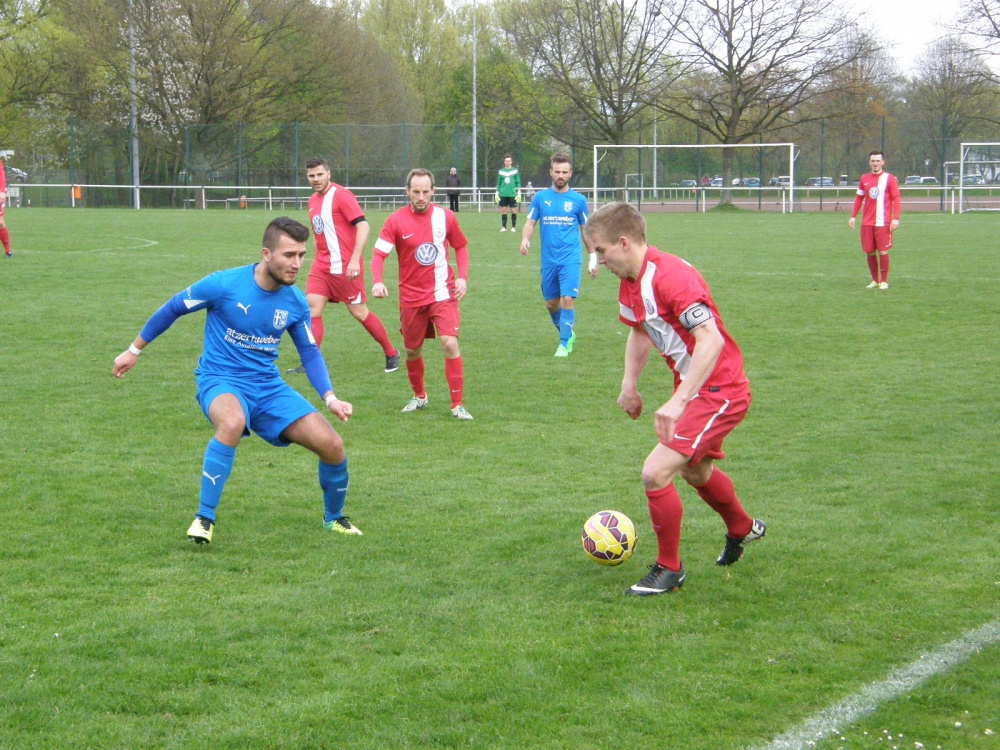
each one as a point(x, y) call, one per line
point(791, 178)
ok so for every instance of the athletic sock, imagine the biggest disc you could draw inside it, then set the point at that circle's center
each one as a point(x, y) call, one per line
point(415, 372)
point(883, 266)
point(503, 218)
point(718, 492)
point(513, 221)
point(376, 330)
point(665, 512)
point(566, 326)
point(5, 239)
point(556, 317)
point(333, 482)
point(453, 374)
point(215, 468)
point(316, 324)
point(873, 265)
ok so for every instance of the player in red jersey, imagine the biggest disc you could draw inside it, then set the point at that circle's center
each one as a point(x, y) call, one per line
point(666, 303)
point(428, 290)
point(337, 271)
point(880, 193)
point(4, 234)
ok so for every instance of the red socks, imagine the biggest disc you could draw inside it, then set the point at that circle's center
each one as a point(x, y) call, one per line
point(666, 511)
point(415, 372)
point(5, 239)
point(376, 330)
point(873, 265)
point(453, 374)
point(317, 328)
point(883, 266)
point(718, 492)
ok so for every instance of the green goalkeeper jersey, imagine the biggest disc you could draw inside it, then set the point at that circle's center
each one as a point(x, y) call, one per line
point(508, 182)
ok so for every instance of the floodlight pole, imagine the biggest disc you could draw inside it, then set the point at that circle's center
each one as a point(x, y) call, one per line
point(475, 119)
point(133, 123)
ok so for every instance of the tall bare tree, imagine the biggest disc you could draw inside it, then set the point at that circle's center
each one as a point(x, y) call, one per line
point(606, 60)
point(751, 63)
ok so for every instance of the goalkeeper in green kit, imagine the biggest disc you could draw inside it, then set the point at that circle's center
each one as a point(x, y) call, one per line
point(508, 192)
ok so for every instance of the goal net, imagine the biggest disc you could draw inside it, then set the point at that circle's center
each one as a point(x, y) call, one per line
point(697, 177)
point(978, 177)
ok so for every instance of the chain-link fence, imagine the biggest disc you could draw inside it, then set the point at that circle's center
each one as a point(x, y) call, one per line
point(216, 165)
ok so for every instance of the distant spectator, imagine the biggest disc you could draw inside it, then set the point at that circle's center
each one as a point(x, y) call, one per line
point(453, 182)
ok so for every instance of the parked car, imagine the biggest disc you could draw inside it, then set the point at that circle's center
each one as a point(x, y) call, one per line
point(819, 182)
point(913, 179)
point(689, 183)
point(929, 181)
point(751, 182)
point(844, 180)
point(973, 179)
point(15, 175)
point(716, 182)
point(783, 181)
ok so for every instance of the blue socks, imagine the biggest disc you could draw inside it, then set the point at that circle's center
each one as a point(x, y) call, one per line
point(214, 473)
point(333, 481)
point(566, 325)
point(556, 317)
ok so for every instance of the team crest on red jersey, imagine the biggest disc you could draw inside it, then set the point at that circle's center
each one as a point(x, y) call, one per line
point(317, 222)
point(280, 319)
point(873, 192)
point(426, 254)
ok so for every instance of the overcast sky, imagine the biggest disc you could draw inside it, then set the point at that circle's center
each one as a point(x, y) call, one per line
point(908, 25)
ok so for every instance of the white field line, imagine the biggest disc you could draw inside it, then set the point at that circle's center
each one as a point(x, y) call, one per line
point(145, 243)
point(869, 698)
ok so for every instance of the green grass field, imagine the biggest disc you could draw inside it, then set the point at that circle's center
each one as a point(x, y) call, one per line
point(467, 616)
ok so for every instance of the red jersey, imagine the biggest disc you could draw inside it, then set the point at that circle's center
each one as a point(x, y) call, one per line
point(421, 241)
point(334, 216)
point(655, 302)
point(880, 193)
point(3, 179)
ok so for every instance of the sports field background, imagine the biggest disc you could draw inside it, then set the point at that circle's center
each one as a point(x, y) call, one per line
point(467, 616)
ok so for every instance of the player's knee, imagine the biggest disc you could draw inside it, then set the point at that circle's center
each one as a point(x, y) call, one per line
point(698, 474)
point(229, 428)
point(449, 346)
point(360, 312)
point(552, 305)
point(566, 303)
point(655, 476)
point(412, 355)
point(332, 451)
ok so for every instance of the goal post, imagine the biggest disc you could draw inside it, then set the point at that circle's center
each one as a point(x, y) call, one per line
point(779, 189)
point(979, 177)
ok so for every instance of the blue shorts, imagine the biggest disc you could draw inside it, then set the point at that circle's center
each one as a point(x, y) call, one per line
point(268, 407)
point(561, 281)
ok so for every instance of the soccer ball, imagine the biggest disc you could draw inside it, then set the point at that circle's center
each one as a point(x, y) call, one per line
point(608, 537)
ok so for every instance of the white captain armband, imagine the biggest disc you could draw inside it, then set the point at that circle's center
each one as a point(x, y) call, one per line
point(695, 315)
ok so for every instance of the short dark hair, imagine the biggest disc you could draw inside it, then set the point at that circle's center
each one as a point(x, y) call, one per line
point(419, 173)
point(508, 156)
point(876, 151)
point(558, 158)
point(317, 162)
point(284, 225)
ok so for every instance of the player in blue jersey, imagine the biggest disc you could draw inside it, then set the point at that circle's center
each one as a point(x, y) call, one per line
point(238, 385)
point(562, 213)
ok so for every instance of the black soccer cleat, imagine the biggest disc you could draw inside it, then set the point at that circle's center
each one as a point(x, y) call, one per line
point(392, 362)
point(658, 580)
point(734, 547)
point(296, 370)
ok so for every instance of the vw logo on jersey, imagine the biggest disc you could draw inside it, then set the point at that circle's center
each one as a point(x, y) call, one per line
point(568, 206)
point(873, 192)
point(650, 307)
point(280, 319)
point(426, 253)
point(317, 223)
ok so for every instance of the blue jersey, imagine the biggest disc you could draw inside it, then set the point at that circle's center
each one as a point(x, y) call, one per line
point(243, 326)
point(560, 216)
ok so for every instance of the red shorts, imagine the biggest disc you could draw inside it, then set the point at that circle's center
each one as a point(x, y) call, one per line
point(875, 238)
point(709, 417)
point(419, 323)
point(337, 287)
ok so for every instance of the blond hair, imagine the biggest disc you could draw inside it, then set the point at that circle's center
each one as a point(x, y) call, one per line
point(616, 220)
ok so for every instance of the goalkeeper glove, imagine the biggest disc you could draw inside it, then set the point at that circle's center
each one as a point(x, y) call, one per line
point(592, 264)
point(496, 198)
point(518, 196)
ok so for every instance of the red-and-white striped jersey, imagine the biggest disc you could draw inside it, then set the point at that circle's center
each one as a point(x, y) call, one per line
point(421, 241)
point(880, 193)
point(654, 302)
point(331, 215)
